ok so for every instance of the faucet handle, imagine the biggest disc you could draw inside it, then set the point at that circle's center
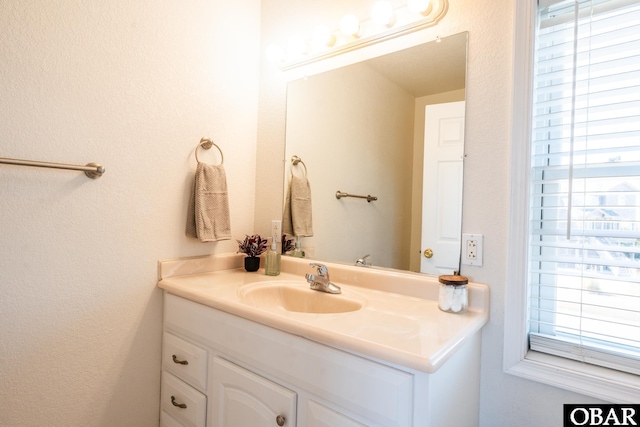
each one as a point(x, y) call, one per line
point(363, 260)
point(323, 271)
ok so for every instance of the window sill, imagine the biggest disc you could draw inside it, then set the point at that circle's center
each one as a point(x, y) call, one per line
point(602, 383)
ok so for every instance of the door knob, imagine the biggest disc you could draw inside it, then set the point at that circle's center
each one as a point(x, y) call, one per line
point(428, 253)
point(280, 420)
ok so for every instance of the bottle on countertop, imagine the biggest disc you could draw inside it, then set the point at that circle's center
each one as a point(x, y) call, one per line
point(272, 259)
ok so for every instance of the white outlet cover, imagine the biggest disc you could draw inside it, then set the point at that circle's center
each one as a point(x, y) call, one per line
point(466, 259)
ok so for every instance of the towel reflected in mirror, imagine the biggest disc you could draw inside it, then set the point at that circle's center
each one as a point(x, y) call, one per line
point(297, 218)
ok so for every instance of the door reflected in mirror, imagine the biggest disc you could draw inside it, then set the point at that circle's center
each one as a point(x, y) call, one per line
point(391, 127)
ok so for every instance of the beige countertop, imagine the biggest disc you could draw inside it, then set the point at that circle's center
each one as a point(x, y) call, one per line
point(399, 322)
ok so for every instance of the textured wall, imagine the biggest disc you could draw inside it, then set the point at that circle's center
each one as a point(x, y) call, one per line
point(132, 85)
point(506, 400)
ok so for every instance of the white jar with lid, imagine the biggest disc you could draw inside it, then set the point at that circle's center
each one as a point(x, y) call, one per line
point(453, 296)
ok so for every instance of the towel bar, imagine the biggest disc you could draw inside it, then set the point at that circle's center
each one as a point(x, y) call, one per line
point(370, 198)
point(92, 170)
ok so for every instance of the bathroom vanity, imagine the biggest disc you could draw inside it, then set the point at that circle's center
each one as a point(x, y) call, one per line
point(245, 349)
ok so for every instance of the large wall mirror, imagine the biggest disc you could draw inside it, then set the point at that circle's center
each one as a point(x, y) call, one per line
point(391, 127)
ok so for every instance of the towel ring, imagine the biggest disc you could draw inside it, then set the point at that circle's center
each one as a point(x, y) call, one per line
point(295, 160)
point(206, 143)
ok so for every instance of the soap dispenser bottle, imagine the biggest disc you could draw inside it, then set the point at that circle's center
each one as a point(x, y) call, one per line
point(272, 264)
point(297, 251)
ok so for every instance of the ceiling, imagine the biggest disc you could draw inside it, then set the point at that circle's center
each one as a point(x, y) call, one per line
point(420, 70)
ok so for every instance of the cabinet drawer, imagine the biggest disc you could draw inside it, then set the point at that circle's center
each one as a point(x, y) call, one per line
point(167, 420)
point(184, 403)
point(185, 360)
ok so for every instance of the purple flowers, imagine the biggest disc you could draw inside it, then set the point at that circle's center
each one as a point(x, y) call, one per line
point(287, 244)
point(252, 246)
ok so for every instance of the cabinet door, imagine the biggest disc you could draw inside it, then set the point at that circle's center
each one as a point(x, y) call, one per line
point(238, 397)
point(318, 415)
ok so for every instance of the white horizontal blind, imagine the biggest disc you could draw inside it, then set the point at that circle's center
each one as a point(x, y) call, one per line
point(584, 253)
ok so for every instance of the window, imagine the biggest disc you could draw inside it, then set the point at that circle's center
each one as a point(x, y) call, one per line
point(582, 223)
point(584, 254)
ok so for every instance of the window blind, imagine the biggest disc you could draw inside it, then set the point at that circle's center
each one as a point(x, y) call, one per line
point(584, 249)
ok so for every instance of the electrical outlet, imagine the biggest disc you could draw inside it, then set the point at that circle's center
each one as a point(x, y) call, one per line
point(472, 249)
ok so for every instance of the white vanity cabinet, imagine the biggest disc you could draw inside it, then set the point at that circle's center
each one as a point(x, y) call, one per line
point(249, 374)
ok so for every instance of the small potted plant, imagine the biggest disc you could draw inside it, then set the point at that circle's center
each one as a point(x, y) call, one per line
point(287, 244)
point(252, 247)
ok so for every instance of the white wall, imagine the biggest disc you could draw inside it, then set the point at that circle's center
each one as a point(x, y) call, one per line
point(132, 85)
point(506, 400)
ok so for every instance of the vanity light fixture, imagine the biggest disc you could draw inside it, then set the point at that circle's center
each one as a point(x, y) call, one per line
point(382, 14)
point(274, 53)
point(419, 6)
point(350, 26)
point(296, 47)
point(386, 23)
point(322, 37)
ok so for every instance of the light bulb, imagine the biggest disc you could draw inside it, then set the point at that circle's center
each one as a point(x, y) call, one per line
point(350, 25)
point(296, 47)
point(419, 6)
point(322, 37)
point(274, 53)
point(382, 14)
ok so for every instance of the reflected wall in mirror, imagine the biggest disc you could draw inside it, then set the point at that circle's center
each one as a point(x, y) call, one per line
point(360, 129)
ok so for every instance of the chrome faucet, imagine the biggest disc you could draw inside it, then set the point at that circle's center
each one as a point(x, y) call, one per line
point(320, 282)
point(363, 260)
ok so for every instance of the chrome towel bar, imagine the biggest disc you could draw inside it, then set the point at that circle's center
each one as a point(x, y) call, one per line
point(340, 195)
point(92, 170)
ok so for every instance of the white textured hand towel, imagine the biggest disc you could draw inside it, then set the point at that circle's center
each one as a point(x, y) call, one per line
point(208, 214)
point(296, 218)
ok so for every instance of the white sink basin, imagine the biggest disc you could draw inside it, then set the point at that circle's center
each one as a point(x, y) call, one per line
point(295, 297)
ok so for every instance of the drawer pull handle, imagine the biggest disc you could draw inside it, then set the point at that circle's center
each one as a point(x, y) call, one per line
point(280, 420)
point(180, 362)
point(179, 405)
